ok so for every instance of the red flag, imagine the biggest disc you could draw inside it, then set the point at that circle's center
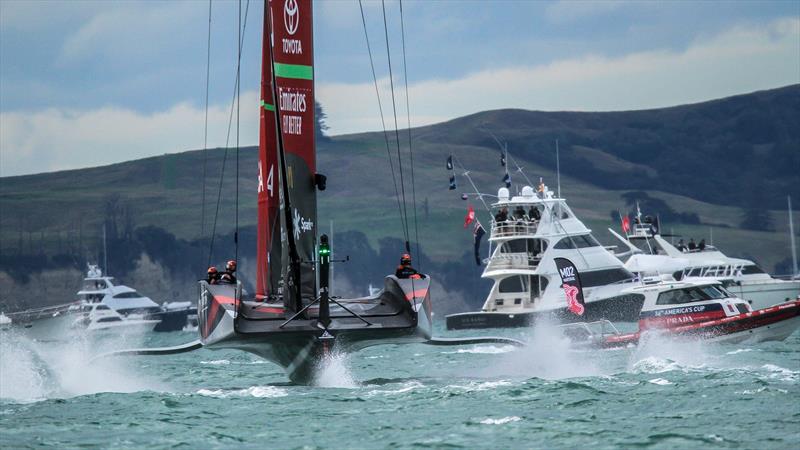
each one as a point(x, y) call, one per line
point(626, 224)
point(470, 216)
point(572, 299)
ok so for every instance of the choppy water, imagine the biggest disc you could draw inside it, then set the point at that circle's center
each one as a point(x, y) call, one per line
point(663, 395)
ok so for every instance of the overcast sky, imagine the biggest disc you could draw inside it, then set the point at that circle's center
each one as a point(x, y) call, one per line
point(84, 83)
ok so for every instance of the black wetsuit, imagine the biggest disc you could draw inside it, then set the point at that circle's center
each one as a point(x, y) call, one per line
point(405, 271)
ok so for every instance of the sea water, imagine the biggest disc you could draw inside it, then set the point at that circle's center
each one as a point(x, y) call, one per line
point(662, 394)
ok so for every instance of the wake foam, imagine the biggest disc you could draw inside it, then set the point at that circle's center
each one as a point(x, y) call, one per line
point(32, 371)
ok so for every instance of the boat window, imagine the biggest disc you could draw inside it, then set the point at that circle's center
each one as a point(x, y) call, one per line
point(498, 302)
point(538, 284)
point(532, 246)
point(133, 294)
point(603, 277)
point(109, 319)
point(89, 285)
point(689, 295)
point(102, 308)
point(516, 283)
point(582, 241)
point(749, 270)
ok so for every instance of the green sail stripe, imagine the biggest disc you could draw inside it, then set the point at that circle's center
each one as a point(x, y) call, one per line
point(294, 71)
point(267, 106)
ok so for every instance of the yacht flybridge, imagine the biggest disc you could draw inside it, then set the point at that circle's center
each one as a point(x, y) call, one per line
point(654, 255)
point(528, 232)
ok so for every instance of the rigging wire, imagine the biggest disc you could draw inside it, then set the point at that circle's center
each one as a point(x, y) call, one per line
point(410, 148)
point(396, 130)
point(205, 129)
point(227, 137)
point(238, 107)
point(380, 109)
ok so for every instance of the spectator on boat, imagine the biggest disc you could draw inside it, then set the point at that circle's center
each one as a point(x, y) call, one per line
point(681, 245)
point(405, 270)
point(692, 245)
point(501, 215)
point(519, 213)
point(229, 276)
point(534, 213)
point(213, 275)
point(702, 245)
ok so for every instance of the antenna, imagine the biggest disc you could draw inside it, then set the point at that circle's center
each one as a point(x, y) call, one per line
point(105, 250)
point(791, 237)
point(558, 171)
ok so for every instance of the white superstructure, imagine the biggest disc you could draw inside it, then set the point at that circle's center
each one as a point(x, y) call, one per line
point(654, 255)
point(122, 299)
point(538, 228)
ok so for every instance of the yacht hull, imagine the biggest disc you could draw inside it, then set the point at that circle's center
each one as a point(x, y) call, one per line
point(763, 294)
point(775, 323)
point(400, 314)
point(618, 309)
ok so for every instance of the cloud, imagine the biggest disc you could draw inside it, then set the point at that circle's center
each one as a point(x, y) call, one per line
point(58, 139)
point(742, 59)
point(564, 11)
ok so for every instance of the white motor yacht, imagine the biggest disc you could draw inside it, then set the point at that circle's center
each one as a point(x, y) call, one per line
point(528, 231)
point(654, 255)
point(98, 288)
point(97, 316)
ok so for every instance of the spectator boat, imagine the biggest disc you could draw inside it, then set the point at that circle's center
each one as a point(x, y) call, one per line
point(651, 254)
point(526, 282)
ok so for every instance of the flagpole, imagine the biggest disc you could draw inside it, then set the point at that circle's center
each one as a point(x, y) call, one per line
point(558, 171)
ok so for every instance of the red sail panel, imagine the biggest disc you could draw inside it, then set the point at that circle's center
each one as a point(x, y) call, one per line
point(268, 258)
point(293, 54)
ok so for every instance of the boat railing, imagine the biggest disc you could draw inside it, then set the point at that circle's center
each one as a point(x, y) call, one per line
point(514, 261)
point(29, 315)
point(514, 228)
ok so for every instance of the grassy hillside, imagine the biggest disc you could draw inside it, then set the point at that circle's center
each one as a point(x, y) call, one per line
point(706, 159)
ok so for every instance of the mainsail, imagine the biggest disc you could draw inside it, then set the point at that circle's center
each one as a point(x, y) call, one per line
point(290, 22)
point(268, 255)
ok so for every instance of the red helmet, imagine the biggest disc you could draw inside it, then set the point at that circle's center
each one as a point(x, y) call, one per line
point(406, 258)
point(212, 269)
point(231, 265)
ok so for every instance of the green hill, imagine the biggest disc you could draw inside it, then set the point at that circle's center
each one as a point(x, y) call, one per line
point(715, 160)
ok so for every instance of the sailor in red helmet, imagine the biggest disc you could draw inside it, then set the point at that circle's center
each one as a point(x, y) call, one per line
point(213, 275)
point(229, 276)
point(404, 270)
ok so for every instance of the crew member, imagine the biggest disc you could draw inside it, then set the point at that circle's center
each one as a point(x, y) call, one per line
point(692, 245)
point(681, 246)
point(404, 270)
point(229, 276)
point(213, 275)
point(702, 245)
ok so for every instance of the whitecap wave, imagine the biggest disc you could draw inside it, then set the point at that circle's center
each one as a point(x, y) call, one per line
point(660, 381)
point(405, 387)
point(217, 362)
point(500, 421)
point(484, 350)
point(252, 391)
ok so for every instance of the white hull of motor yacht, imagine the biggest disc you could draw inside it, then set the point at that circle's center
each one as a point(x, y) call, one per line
point(766, 293)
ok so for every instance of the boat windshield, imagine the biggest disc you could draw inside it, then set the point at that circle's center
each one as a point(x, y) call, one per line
point(133, 294)
point(690, 295)
point(94, 285)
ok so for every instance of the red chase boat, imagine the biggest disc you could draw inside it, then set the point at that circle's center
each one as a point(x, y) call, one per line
point(700, 309)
